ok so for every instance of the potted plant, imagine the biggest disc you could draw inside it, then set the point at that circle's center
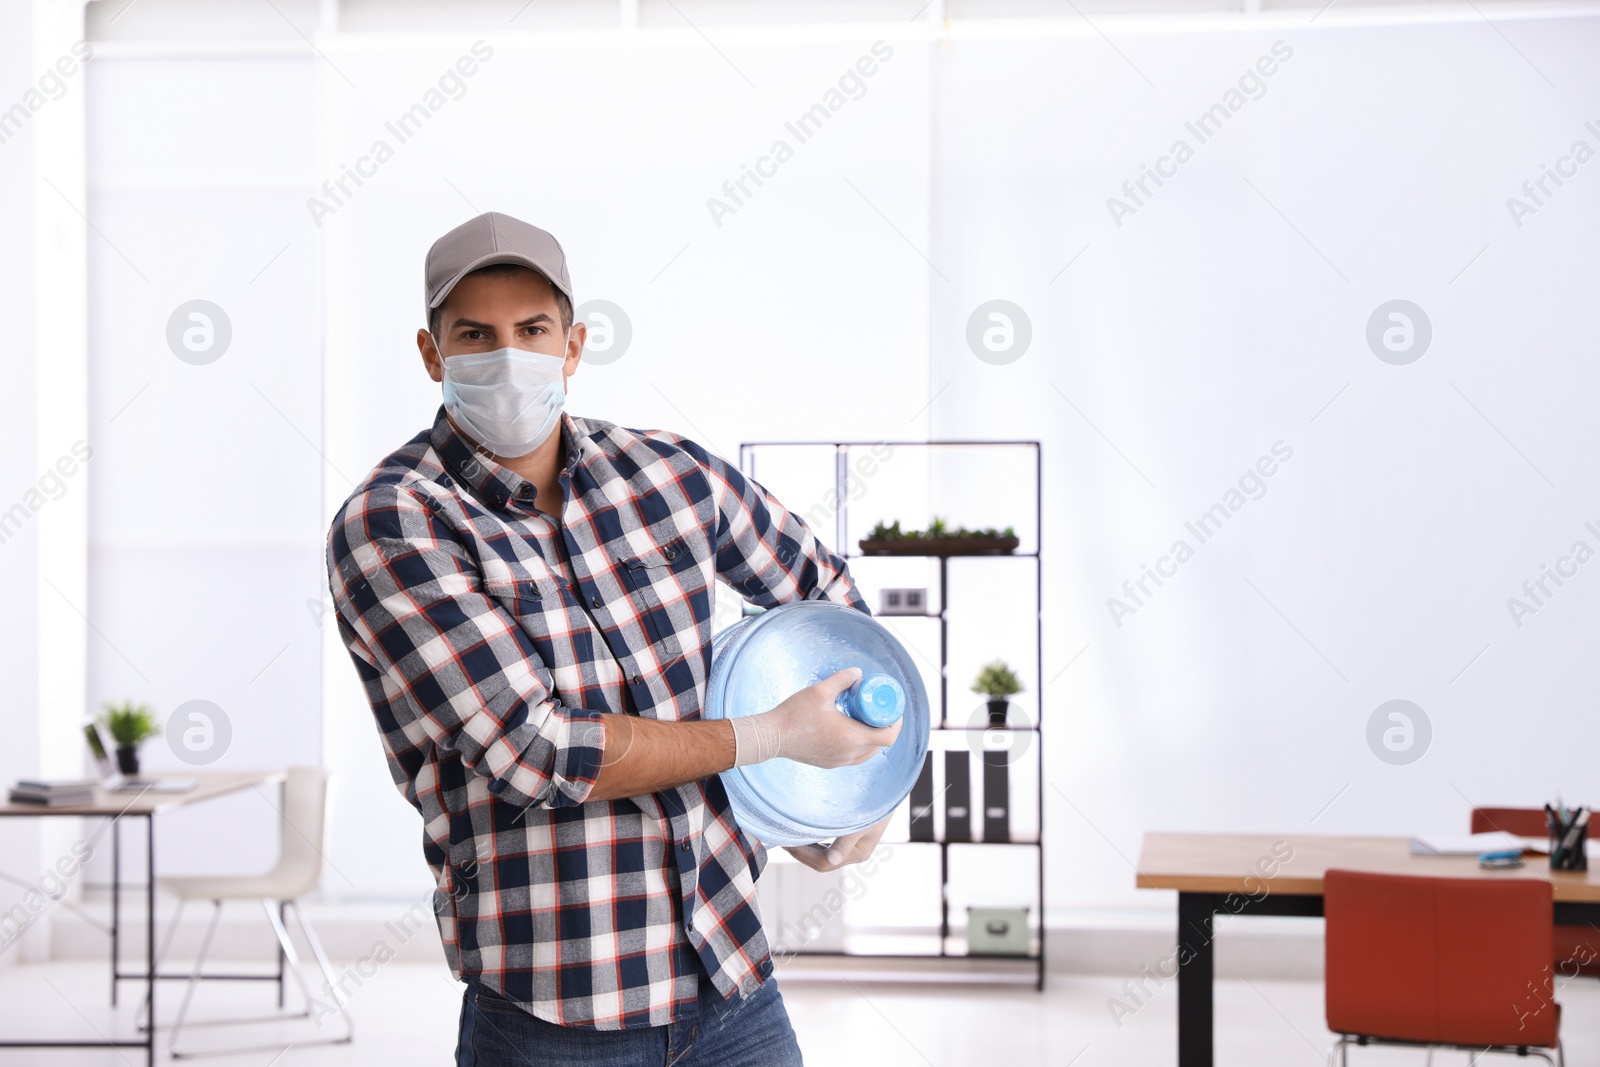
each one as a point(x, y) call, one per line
point(999, 683)
point(939, 539)
point(130, 725)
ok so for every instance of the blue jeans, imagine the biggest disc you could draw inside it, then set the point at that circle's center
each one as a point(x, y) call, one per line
point(751, 1031)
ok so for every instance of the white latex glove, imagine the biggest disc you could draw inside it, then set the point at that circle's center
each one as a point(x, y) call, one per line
point(851, 848)
point(809, 728)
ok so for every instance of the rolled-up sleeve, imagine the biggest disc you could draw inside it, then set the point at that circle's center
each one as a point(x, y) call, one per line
point(463, 676)
point(764, 550)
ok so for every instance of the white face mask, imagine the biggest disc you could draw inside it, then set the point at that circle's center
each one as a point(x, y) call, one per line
point(507, 400)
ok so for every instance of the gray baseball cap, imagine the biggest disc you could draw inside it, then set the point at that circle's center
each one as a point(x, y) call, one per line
point(491, 238)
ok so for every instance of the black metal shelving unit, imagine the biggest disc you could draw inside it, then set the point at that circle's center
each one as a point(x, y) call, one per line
point(747, 457)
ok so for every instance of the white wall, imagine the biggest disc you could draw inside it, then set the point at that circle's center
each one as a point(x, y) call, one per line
point(18, 560)
point(43, 494)
point(1221, 317)
point(1205, 329)
point(206, 520)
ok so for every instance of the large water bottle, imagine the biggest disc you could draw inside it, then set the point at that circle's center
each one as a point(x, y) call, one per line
point(761, 661)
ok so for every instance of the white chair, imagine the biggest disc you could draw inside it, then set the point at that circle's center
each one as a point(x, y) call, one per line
point(298, 870)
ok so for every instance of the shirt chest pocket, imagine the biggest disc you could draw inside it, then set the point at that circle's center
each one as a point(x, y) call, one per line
point(670, 590)
point(526, 593)
point(555, 624)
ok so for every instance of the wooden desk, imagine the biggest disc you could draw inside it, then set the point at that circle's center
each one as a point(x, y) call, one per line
point(1281, 874)
point(144, 805)
point(208, 784)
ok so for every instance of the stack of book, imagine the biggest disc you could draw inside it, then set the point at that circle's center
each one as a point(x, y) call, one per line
point(56, 794)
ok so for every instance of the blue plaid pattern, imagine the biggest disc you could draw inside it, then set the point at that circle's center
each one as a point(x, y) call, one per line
point(488, 667)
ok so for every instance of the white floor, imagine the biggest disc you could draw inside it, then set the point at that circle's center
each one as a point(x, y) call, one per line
point(406, 1015)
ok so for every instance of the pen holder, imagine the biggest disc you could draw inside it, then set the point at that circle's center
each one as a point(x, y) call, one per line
point(1568, 849)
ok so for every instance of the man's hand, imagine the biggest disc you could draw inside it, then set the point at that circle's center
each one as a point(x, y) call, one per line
point(809, 728)
point(642, 755)
point(851, 848)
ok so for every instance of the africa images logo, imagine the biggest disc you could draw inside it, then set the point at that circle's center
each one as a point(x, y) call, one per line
point(1252, 85)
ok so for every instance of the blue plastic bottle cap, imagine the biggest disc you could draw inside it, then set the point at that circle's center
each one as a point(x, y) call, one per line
point(879, 700)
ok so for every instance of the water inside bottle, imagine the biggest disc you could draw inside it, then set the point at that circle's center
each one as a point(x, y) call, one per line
point(764, 659)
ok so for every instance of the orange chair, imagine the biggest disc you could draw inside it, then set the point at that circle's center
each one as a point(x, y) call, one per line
point(1459, 963)
point(1523, 822)
point(1576, 949)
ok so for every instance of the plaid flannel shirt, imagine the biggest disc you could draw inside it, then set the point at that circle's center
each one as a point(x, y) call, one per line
point(488, 671)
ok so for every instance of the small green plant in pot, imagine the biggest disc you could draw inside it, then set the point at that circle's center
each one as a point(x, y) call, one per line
point(999, 683)
point(129, 725)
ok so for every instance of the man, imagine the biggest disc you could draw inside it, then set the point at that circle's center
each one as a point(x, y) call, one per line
point(527, 598)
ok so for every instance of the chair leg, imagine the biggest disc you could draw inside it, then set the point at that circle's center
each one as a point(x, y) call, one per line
point(1474, 1055)
point(194, 980)
point(324, 965)
point(286, 946)
point(280, 962)
point(299, 974)
point(142, 1019)
point(292, 959)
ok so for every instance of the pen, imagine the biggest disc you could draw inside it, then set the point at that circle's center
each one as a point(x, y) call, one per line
point(1557, 834)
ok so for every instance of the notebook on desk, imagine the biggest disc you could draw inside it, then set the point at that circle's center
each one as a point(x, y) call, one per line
point(53, 793)
point(1477, 844)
